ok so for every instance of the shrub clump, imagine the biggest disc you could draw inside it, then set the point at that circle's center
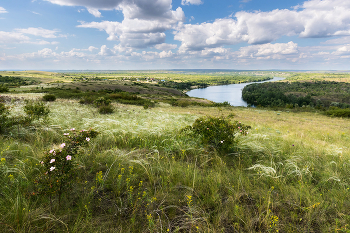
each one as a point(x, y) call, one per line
point(33, 110)
point(105, 109)
point(217, 133)
point(36, 110)
point(4, 88)
point(58, 169)
point(102, 101)
point(338, 112)
point(49, 97)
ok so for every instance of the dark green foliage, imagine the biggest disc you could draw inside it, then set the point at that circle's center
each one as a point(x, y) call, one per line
point(15, 81)
point(102, 101)
point(281, 94)
point(181, 103)
point(87, 100)
point(217, 132)
point(105, 109)
point(338, 112)
point(49, 97)
point(3, 88)
point(4, 112)
point(36, 110)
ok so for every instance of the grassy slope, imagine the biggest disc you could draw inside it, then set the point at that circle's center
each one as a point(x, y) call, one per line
point(289, 174)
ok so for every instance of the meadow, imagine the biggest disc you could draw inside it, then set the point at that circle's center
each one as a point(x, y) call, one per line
point(143, 172)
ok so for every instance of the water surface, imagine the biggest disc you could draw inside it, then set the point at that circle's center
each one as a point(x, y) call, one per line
point(231, 93)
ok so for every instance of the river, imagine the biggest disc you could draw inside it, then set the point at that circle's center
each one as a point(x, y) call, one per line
point(231, 93)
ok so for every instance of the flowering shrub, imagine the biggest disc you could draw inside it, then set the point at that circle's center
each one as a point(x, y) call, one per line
point(58, 167)
point(217, 132)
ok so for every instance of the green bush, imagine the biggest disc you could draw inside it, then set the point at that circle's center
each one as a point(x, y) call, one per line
point(105, 109)
point(217, 132)
point(4, 88)
point(4, 113)
point(102, 101)
point(49, 97)
point(87, 100)
point(338, 112)
point(36, 110)
point(59, 166)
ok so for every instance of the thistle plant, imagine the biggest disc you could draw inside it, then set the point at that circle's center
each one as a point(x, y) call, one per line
point(58, 167)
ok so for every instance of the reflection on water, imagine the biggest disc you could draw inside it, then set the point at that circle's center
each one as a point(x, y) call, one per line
point(231, 93)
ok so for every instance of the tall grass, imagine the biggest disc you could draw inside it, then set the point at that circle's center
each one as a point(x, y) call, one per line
point(141, 174)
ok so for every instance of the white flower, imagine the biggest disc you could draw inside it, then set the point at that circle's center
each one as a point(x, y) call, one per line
point(69, 157)
point(52, 168)
point(87, 139)
point(52, 160)
point(63, 145)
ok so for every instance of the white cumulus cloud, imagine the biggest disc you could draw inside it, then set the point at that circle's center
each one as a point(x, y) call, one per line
point(2, 10)
point(274, 51)
point(315, 18)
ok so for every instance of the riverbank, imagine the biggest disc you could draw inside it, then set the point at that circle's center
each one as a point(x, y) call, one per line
point(226, 93)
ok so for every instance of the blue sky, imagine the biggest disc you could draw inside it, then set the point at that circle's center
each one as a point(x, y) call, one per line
point(178, 34)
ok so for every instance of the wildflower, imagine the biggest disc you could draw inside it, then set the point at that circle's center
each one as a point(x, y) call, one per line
point(72, 129)
point(51, 151)
point(66, 134)
point(3, 160)
point(63, 145)
point(42, 162)
point(69, 157)
point(52, 160)
point(222, 141)
point(52, 168)
point(87, 139)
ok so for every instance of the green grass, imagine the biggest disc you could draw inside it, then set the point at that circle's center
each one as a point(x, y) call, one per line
point(141, 174)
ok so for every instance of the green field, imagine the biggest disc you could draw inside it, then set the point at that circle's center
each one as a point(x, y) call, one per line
point(143, 173)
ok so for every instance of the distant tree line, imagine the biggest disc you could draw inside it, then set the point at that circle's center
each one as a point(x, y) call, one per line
point(320, 94)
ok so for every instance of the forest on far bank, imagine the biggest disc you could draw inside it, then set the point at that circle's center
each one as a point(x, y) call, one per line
point(319, 94)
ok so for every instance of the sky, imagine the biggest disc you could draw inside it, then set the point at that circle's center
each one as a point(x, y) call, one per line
point(174, 34)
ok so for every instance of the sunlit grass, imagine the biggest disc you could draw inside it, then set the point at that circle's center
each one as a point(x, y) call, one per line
point(291, 173)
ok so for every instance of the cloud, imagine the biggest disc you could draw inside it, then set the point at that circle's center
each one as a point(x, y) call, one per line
point(12, 37)
point(191, 2)
point(165, 46)
point(41, 32)
point(274, 51)
point(141, 9)
point(2, 10)
point(100, 4)
point(315, 18)
point(137, 33)
point(343, 50)
point(164, 54)
point(20, 36)
point(144, 24)
point(105, 51)
point(94, 12)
